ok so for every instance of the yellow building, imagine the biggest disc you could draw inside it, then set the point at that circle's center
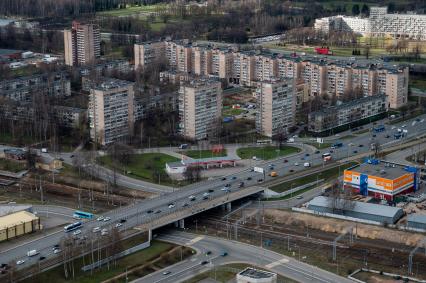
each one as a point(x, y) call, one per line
point(18, 224)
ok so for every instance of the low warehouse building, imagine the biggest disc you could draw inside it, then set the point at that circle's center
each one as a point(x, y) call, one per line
point(416, 221)
point(251, 275)
point(18, 224)
point(356, 209)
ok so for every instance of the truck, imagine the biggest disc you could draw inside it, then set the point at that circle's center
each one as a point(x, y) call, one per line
point(337, 145)
point(323, 51)
point(258, 169)
point(32, 253)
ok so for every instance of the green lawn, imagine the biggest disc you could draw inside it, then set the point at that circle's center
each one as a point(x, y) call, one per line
point(327, 175)
point(7, 138)
point(265, 153)
point(203, 153)
point(146, 166)
point(136, 259)
point(232, 112)
point(320, 145)
point(132, 10)
point(12, 165)
point(418, 82)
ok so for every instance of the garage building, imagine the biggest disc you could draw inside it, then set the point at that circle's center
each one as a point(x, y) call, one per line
point(18, 224)
point(356, 209)
point(416, 221)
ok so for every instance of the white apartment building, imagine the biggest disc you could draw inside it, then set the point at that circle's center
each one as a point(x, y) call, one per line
point(111, 116)
point(276, 107)
point(379, 23)
point(200, 108)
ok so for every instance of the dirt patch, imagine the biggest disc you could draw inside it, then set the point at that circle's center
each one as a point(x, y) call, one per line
point(339, 226)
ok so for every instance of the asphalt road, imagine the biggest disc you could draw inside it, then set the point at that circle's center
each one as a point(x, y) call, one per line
point(138, 213)
point(236, 252)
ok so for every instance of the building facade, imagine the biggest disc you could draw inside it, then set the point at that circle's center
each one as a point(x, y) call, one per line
point(346, 113)
point(82, 44)
point(111, 116)
point(276, 107)
point(200, 108)
point(379, 23)
point(147, 53)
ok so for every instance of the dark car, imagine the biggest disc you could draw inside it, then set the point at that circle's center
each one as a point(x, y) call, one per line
point(211, 191)
point(208, 252)
point(291, 170)
point(317, 151)
point(158, 211)
point(241, 185)
point(227, 185)
point(224, 179)
point(260, 180)
point(285, 160)
point(271, 168)
point(307, 154)
point(122, 220)
point(150, 211)
point(248, 178)
point(234, 177)
point(361, 145)
point(42, 258)
point(205, 197)
point(387, 136)
point(374, 136)
point(355, 151)
point(204, 262)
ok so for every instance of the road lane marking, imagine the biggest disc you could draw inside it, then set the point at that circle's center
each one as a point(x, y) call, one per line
point(276, 263)
point(195, 240)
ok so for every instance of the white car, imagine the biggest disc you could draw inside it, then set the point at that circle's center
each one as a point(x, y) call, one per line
point(19, 262)
point(107, 219)
point(191, 197)
point(403, 126)
point(118, 225)
point(104, 232)
point(296, 164)
point(171, 205)
point(56, 251)
point(100, 218)
point(96, 229)
point(76, 232)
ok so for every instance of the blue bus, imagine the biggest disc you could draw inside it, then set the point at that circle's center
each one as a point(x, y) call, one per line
point(81, 214)
point(379, 128)
point(72, 227)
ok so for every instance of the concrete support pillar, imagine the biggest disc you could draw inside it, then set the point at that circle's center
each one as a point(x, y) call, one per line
point(149, 235)
point(228, 207)
point(177, 224)
point(182, 224)
point(223, 206)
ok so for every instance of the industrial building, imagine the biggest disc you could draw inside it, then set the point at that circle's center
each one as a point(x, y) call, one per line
point(251, 275)
point(367, 211)
point(18, 224)
point(416, 221)
point(381, 180)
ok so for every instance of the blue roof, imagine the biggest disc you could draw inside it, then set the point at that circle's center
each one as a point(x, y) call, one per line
point(418, 218)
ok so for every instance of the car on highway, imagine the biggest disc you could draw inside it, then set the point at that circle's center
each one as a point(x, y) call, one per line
point(171, 205)
point(271, 168)
point(104, 232)
point(56, 251)
point(273, 174)
point(192, 198)
point(299, 197)
point(42, 258)
point(55, 247)
point(307, 164)
point(19, 262)
point(291, 170)
point(225, 189)
point(227, 185)
point(157, 211)
point(208, 252)
point(241, 184)
point(118, 225)
point(307, 154)
point(149, 211)
point(403, 126)
point(224, 179)
point(260, 180)
point(167, 272)
point(296, 164)
point(96, 229)
point(249, 178)
point(234, 178)
point(123, 220)
point(285, 160)
point(361, 145)
point(355, 151)
point(211, 190)
point(224, 253)
point(317, 151)
point(76, 232)
point(100, 218)
point(204, 262)
point(107, 219)
point(185, 205)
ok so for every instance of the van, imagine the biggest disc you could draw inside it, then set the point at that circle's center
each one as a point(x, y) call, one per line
point(44, 150)
point(183, 146)
point(32, 253)
point(274, 174)
point(307, 164)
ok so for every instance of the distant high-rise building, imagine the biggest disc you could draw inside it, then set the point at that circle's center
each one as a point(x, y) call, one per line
point(82, 44)
point(111, 106)
point(276, 107)
point(200, 107)
point(147, 53)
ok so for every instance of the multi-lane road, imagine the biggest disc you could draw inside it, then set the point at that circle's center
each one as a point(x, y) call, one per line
point(211, 250)
point(174, 202)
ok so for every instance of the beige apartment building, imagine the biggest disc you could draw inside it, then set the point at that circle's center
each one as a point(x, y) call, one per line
point(82, 44)
point(111, 106)
point(266, 67)
point(200, 108)
point(222, 63)
point(276, 107)
point(201, 61)
point(148, 53)
point(339, 80)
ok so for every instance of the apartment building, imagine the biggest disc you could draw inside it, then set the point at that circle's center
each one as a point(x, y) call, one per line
point(147, 53)
point(315, 76)
point(222, 63)
point(82, 44)
point(276, 107)
point(111, 106)
point(379, 23)
point(24, 88)
point(346, 113)
point(243, 68)
point(339, 80)
point(201, 61)
point(266, 67)
point(200, 108)
point(106, 68)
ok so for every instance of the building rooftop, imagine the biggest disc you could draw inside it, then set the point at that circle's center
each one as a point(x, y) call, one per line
point(418, 218)
point(256, 273)
point(350, 104)
point(382, 170)
point(108, 83)
point(360, 207)
point(16, 219)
